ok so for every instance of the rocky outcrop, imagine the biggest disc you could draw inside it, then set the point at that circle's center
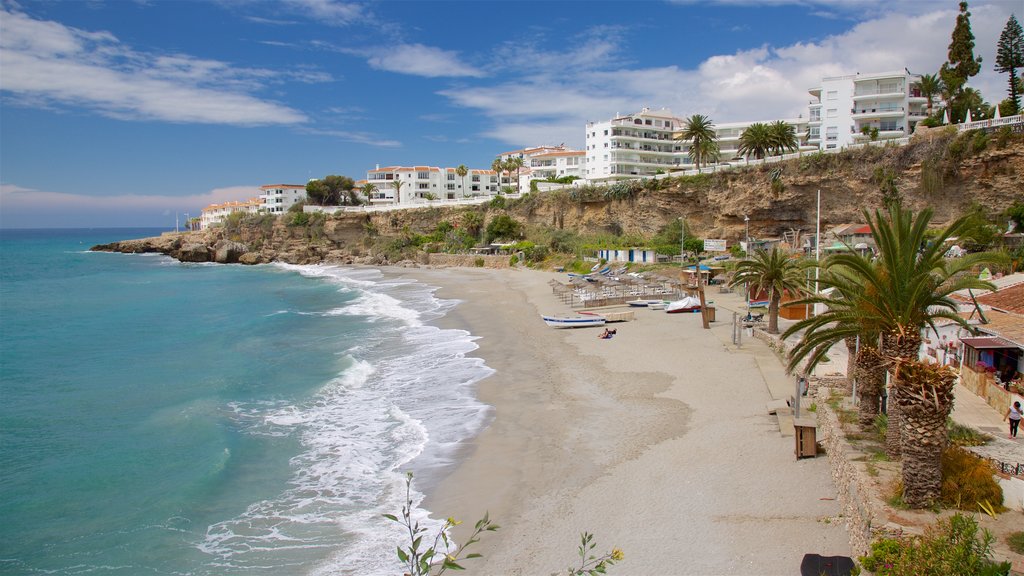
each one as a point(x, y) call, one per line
point(939, 171)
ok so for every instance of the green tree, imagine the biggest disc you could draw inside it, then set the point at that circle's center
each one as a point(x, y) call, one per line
point(755, 141)
point(472, 222)
point(906, 289)
point(397, 184)
point(1010, 57)
point(515, 163)
point(461, 171)
point(772, 272)
point(1016, 214)
point(700, 132)
point(369, 189)
point(931, 86)
point(329, 190)
point(503, 227)
point(500, 166)
point(961, 64)
point(783, 137)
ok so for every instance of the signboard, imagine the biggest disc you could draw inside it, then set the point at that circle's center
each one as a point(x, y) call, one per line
point(712, 245)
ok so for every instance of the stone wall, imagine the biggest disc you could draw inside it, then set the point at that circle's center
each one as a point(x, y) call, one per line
point(468, 260)
point(864, 513)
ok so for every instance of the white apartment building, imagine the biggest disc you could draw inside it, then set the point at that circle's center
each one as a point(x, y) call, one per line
point(216, 213)
point(558, 164)
point(277, 198)
point(423, 182)
point(634, 145)
point(729, 137)
point(842, 107)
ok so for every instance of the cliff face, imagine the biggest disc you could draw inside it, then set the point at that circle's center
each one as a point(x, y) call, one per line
point(946, 173)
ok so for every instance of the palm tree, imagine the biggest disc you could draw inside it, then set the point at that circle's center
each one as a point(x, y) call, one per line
point(499, 166)
point(397, 184)
point(783, 137)
point(931, 86)
point(906, 289)
point(369, 189)
point(461, 171)
point(699, 130)
point(755, 141)
point(515, 163)
point(773, 272)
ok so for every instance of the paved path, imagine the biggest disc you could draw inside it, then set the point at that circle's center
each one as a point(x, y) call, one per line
point(969, 409)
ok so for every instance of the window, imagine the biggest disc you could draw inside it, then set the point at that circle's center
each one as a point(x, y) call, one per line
point(476, 178)
point(423, 175)
point(832, 95)
point(889, 125)
point(451, 186)
point(832, 133)
point(831, 113)
point(830, 147)
point(451, 175)
point(605, 132)
point(647, 122)
point(605, 144)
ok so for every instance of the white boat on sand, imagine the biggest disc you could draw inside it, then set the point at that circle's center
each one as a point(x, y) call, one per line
point(687, 304)
point(573, 321)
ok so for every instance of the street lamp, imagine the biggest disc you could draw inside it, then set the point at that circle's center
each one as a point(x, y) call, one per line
point(746, 223)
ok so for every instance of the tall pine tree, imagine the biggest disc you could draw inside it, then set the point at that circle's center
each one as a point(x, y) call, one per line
point(1010, 57)
point(961, 64)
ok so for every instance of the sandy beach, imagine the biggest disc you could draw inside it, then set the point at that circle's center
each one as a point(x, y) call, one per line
point(656, 441)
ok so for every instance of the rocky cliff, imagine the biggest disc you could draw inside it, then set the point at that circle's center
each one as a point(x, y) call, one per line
point(946, 172)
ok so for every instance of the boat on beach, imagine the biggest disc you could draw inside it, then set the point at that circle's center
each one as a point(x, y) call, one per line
point(573, 321)
point(687, 304)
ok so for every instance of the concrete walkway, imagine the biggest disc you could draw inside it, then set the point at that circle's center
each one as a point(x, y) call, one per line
point(969, 409)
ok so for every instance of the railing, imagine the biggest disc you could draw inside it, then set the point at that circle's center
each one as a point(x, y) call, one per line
point(992, 123)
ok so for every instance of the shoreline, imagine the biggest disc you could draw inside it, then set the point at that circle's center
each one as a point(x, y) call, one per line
point(656, 441)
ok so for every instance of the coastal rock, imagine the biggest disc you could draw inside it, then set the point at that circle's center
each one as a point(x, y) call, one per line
point(250, 258)
point(228, 252)
point(193, 252)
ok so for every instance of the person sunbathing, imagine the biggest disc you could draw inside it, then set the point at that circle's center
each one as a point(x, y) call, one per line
point(606, 334)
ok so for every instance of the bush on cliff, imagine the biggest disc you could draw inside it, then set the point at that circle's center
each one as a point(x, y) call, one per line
point(951, 547)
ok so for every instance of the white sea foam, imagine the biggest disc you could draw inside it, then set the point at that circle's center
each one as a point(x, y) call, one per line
point(407, 400)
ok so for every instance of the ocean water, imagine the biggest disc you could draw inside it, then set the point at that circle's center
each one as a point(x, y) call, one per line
point(168, 418)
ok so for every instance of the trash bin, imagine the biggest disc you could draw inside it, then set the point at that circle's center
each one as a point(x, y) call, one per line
point(711, 313)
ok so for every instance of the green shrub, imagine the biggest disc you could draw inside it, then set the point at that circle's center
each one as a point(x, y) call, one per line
point(1003, 136)
point(968, 482)
point(951, 547)
point(498, 202)
point(298, 219)
point(965, 435)
point(1016, 542)
point(479, 262)
point(979, 142)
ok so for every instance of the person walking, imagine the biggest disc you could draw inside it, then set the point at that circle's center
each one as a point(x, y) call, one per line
point(1013, 414)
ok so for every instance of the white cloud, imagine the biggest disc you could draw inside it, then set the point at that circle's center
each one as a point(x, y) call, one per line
point(327, 11)
point(47, 63)
point(352, 136)
point(767, 83)
point(420, 60)
point(30, 208)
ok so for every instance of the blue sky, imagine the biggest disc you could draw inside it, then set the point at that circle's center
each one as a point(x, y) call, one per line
point(124, 113)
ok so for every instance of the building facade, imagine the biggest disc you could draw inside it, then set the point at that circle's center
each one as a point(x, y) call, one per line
point(558, 165)
point(632, 146)
point(216, 213)
point(851, 109)
point(278, 198)
point(419, 183)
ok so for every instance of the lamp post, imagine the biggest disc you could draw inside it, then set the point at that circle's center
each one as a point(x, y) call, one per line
point(746, 288)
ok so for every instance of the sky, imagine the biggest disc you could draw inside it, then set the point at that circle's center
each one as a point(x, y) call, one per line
point(134, 112)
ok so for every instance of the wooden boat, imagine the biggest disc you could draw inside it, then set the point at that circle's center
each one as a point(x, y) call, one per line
point(573, 321)
point(687, 304)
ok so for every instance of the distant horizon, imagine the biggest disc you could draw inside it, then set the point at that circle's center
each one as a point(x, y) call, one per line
point(110, 115)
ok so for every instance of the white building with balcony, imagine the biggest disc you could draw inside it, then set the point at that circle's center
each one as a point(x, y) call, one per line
point(277, 198)
point(848, 109)
point(558, 165)
point(216, 213)
point(419, 183)
point(632, 146)
point(729, 137)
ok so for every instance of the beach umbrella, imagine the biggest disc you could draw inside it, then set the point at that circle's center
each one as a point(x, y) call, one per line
point(968, 119)
point(945, 116)
point(997, 116)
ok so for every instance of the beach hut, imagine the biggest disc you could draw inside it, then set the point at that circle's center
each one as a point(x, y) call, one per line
point(634, 255)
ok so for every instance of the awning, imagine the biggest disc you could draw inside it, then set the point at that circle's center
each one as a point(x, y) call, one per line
point(988, 342)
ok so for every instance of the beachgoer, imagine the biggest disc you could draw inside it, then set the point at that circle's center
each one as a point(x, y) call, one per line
point(605, 335)
point(1013, 414)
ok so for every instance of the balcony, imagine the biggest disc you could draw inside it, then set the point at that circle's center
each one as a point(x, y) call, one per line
point(878, 112)
point(877, 94)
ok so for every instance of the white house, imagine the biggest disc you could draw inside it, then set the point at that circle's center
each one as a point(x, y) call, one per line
point(277, 198)
point(425, 182)
point(558, 164)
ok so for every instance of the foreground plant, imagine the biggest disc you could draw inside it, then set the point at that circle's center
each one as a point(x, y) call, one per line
point(952, 547)
point(591, 565)
point(419, 561)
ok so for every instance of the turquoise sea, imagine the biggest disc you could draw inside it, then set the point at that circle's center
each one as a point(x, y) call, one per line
point(168, 418)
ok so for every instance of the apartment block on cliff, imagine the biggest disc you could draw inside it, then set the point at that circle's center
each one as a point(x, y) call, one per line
point(278, 198)
point(846, 110)
point(424, 182)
